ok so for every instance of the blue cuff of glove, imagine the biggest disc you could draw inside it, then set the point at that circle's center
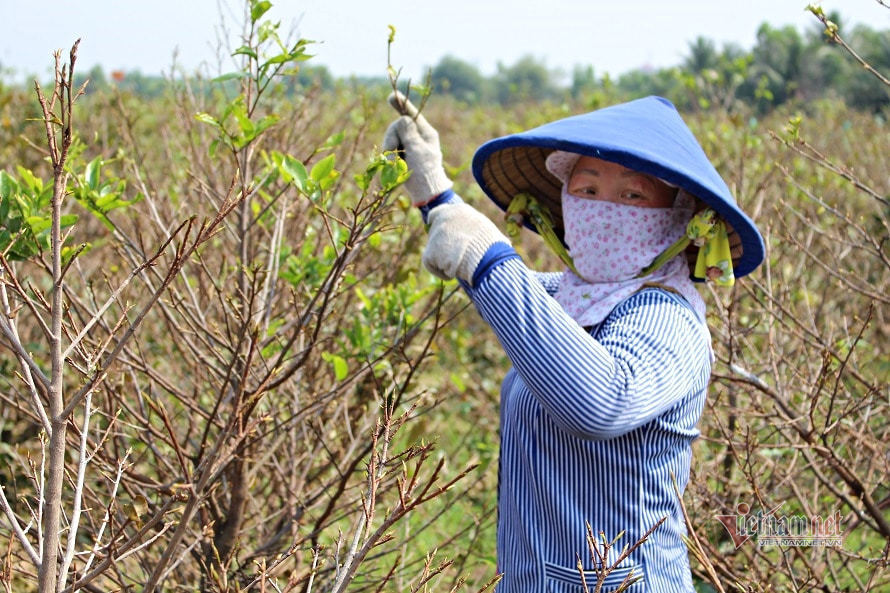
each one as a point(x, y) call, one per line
point(497, 253)
point(446, 197)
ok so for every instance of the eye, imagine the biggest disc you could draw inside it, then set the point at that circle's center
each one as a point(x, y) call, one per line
point(634, 196)
point(583, 190)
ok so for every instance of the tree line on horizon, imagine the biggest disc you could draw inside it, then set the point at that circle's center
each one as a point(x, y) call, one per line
point(785, 65)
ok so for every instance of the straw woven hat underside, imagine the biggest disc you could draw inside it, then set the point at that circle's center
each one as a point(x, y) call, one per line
point(521, 169)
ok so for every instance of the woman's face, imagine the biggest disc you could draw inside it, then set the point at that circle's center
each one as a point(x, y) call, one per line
point(596, 179)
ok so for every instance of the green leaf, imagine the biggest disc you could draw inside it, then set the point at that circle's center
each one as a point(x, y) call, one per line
point(69, 251)
point(322, 169)
point(279, 59)
point(91, 173)
point(393, 174)
point(267, 30)
point(207, 119)
point(245, 50)
point(422, 90)
point(329, 181)
point(295, 171)
point(239, 110)
point(8, 185)
point(230, 76)
point(106, 199)
point(341, 369)
point(363, 180)
point(298, 52)
point(258, 8)
point(366, 302)
point(334, 140)
point(458, 382)
point(301, 56)
point(30, 181)
point(265, 123)
point(24, 204)
point(38, 224)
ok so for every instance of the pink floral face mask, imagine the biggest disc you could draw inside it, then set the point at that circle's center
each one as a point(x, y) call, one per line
point(610, 243)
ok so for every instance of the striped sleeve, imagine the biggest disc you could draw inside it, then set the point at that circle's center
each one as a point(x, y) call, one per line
point(645, 357)
point(549, 280)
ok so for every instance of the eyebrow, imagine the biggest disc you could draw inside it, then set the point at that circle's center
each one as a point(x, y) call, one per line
point(624, 175)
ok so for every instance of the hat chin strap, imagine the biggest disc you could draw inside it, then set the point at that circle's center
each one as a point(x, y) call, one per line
point(714, 262)
point(524, 206)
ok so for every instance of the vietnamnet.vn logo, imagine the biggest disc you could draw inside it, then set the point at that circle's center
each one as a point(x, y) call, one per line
point(770, 528)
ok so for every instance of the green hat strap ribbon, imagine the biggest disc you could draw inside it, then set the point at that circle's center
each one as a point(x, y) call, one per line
point(524, 206)
point(714, 262)
point(706, 230)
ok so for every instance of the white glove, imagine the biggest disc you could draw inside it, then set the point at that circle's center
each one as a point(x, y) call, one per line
point(459, 237)
point(418, 143)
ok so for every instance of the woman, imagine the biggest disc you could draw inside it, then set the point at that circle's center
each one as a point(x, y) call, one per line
point(610, 366)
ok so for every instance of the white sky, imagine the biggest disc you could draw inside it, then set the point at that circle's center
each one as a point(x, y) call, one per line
point(613, 36)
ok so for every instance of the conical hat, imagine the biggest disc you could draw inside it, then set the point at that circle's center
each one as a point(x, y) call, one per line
point(646, 135)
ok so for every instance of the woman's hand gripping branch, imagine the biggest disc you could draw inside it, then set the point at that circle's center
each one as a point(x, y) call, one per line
point(459, 235)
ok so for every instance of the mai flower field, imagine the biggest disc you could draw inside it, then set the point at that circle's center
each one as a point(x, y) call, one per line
point(225, 369)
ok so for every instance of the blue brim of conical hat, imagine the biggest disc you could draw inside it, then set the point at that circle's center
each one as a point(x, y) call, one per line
point(647, 135)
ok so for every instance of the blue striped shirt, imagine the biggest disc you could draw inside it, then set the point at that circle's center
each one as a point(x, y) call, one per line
point(593, 423)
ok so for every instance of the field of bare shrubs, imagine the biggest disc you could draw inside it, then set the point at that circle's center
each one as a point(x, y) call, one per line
point(223, 368)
